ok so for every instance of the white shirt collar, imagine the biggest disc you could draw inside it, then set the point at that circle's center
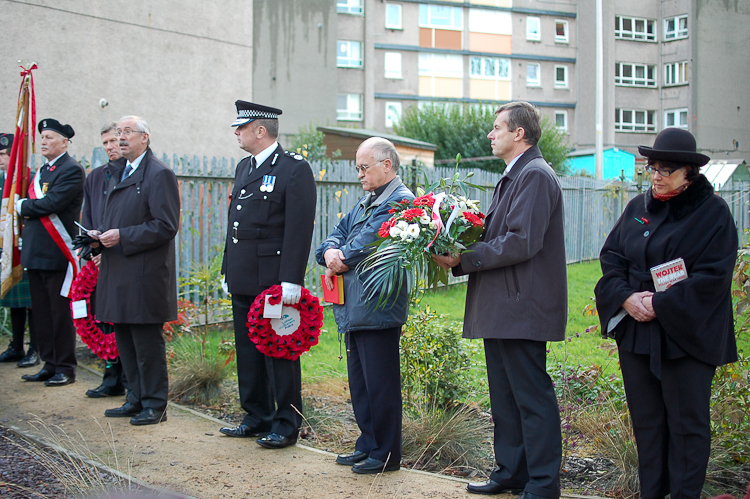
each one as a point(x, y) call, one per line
point(510, 165)
point(136, 162)
point(55, 160)
point(262, 156)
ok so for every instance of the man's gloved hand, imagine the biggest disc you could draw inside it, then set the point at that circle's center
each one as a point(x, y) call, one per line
point(290, 293)
point(19, 202)
point(224, 284)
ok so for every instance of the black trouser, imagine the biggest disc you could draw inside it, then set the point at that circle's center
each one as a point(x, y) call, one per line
point(53, 323)
point(372, 359)
point(671, 422)
point(144, 361)
point(528, 440)
point(114, 376)
point(18, 324)
point(270, 389)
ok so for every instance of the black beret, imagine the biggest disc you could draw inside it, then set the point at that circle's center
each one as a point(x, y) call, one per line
point(54, 125)
point(6, 141)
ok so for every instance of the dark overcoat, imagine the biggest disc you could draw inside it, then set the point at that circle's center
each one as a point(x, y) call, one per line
point(269, 233)
point(137, 280)
point(64, 196)
point(694, 316)
point(517, 275)
point(95, 193)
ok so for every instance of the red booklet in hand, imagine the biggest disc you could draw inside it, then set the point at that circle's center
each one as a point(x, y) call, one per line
point(335, 295)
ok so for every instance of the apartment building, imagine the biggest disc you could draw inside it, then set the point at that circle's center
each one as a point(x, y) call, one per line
point(392, 55)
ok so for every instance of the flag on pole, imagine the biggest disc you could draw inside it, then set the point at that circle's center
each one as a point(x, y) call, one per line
point(17, 182)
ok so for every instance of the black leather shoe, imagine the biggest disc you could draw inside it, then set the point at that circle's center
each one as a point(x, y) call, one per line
point(127, 410)
point(491, 487)
point(42, 375)
point(102, 391)
point(276, 441)
point(30, 360)
point(371, 466)
point(149, 415)
point(351, 459)
point(60, 379)
point(11, 355)
point(242, 431)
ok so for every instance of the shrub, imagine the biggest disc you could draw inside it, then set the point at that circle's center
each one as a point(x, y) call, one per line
point(194, 376)
point(434, 360)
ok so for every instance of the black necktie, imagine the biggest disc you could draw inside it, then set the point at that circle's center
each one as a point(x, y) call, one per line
point(253, 164)
point(126, 173)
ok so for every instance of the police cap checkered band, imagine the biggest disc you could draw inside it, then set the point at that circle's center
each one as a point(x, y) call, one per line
point(248, 111)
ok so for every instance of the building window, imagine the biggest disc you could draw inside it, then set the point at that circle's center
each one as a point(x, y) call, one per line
point(490, 21)
point(349, 54)
point(675, 28)
point(629, 28)
point(393, 65)
point(393, 16)
point(635, 120)
point(561, 77)
point(349, 6)
point(634, 75)
point(441, 17)
point(489, 68)
point(561, 120)
point(349, 107)
point(677, 118)
point(392, 114)
point(445, 65)
point(533, 29)
point(533, 75)
point(561, 31)
point(676, 73)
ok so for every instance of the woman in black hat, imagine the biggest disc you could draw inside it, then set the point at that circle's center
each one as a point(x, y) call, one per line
point(671, 341)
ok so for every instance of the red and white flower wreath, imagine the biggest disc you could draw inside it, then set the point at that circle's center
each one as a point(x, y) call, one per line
point(290, 346)
point(103, 345)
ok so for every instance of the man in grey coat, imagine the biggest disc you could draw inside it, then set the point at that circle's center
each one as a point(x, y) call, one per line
point(137, 288)
point(517, 302)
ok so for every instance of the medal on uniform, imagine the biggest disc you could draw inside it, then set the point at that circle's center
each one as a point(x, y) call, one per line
point(45, 185)
point(268, 183)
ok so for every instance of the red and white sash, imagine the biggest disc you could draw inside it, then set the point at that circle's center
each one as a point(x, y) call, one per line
point(59, 234)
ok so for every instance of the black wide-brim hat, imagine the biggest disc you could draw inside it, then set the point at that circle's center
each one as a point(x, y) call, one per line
point(249, 111)
point(676, 145)
point(54, 125)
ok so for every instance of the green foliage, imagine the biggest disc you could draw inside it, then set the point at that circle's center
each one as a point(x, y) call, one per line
point(434, 360)
point(437, 437)
point(197, 374)
point(463, 129)
point(309, 143)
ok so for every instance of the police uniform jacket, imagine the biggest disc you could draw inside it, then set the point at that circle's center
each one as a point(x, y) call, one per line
point(269, 233)
point(517, 273)
point(95, 192)
point(64, 196)
point(693, 316)
point(137, 280)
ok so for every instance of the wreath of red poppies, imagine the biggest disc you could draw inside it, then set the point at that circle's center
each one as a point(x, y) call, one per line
point(290, 346)
point(103, 345)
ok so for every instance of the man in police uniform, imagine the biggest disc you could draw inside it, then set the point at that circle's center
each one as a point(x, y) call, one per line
point(271, 218)
point(55, 198)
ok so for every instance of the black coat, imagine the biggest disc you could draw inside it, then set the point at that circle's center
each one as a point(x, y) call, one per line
point(694, 316)
point(269, 233)
point(63, 198)
point(138, 280)
point(95, 193)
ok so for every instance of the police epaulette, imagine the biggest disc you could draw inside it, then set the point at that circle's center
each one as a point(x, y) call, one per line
point(294, 155)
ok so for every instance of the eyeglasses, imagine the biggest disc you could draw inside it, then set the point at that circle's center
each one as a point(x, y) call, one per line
point(127, 132)
point(364, 168)
point(664, 172)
